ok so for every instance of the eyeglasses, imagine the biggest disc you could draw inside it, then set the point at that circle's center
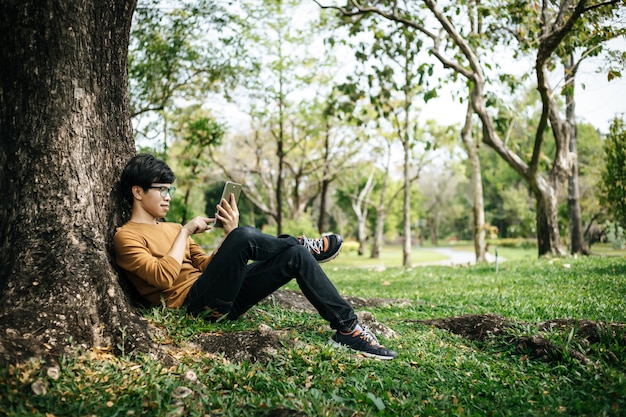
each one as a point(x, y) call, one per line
point(164, 191)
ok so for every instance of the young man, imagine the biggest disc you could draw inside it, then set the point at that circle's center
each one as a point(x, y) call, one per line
point(163, 262)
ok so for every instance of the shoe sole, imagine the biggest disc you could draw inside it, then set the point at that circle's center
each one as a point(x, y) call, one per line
point(334, 255)
point(338, 345)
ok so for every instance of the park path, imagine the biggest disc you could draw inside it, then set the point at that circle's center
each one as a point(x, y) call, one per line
point(456, 257)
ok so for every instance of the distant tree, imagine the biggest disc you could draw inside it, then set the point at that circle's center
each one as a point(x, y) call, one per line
point(179, 53)
point(392, 79)
point(614, 173)
point(198, 135)
point(360, 205)
point(457, 48)
point(476, 186)
point(590, 165)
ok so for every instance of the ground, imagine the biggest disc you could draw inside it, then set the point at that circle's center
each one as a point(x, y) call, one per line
point(261, 344)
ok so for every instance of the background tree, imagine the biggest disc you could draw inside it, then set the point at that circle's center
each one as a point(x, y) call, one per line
point(555, 23)
point(392, 78)
point(277, 47)
point(476, 186)
point(614, 173)
point(360, 205)
point(178, 55)
point(199, 135)
point(586, 39)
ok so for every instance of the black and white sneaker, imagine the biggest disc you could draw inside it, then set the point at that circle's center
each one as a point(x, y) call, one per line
point(361, 340)
point(325, 248)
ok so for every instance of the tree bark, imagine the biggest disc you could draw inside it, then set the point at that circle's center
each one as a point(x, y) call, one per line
point(381, 211)
point(360, 206)
point(406, 208)
point(321, 222)
point(478, 211)
point(547, 217)
point(65, 136)
point(577, 237)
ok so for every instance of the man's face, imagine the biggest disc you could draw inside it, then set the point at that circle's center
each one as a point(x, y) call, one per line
point(156, 200)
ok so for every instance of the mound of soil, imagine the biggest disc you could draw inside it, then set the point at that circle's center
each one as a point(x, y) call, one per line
point(496, 329)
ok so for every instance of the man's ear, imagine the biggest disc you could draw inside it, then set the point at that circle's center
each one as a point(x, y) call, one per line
point(137, 192)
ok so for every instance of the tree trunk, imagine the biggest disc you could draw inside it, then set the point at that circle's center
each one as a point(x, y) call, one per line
point(406, 209)
point(577, 239)
point(379, 234)
point(476, 184)
point(321, 222)
point(360, 207)
point(432, 228)
point(381, 211)
point(65, 136)
point(548, 235)
point(280, 153)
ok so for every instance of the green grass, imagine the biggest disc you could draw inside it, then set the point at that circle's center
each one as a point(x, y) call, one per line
point(391, 256)
point(436, 373)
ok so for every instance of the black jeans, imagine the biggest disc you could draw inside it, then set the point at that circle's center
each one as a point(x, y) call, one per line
point(231, 284)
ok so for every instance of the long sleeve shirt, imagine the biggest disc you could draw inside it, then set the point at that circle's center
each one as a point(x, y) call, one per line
point(141, 251)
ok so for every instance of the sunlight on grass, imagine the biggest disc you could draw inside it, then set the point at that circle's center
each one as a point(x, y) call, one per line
point(390, 256)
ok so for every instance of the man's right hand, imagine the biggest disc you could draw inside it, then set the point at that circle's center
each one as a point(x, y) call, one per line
point(199, 225)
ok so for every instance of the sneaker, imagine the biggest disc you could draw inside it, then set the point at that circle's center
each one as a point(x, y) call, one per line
point(324, 249)
point(361, 340)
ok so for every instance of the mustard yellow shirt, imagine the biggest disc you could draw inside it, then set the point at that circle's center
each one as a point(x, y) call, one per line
point(141, 251)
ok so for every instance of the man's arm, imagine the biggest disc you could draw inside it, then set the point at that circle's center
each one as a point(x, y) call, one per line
point(133, 256)
point(196, 225)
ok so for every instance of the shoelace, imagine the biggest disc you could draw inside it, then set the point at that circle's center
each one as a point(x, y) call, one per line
point(366, 335)
point(314, 245)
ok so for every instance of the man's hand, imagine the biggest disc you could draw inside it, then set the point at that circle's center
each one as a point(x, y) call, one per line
point(228, 214)
point(198, 225)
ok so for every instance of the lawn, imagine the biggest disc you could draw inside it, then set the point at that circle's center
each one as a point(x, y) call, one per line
point(436, 373)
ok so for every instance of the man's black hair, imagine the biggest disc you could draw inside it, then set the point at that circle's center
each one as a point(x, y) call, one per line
point(143, 170)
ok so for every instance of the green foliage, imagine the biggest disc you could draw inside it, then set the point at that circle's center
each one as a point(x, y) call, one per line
point(437, 373)
point(614, 173)
point(614, 235)
point(303, 225)
point(178, 53)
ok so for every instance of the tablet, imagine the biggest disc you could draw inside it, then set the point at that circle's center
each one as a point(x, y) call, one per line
point(229, 188)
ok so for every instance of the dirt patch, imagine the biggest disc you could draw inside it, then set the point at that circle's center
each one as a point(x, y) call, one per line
point(255, 346)
point(496, 329)
point(473, 326)
point(297, 301)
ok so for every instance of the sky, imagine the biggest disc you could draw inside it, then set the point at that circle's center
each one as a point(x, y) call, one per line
point(598, 101)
